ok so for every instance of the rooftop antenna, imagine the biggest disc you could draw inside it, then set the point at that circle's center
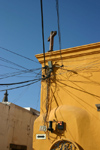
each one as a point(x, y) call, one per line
point(51, 39)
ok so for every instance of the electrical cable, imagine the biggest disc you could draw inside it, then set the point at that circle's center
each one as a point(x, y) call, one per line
point(59, 33)
point(9, 67)
point(19, 86)
point(80, 90)
point(76, 99)
point(35, 80)
point(13, 74)
point(90, 81)
point(18, 54)
point(86, 67)
point(8, 61)
point(43, 32)
point(20, 95)
point(78, 86)
point(8, 84)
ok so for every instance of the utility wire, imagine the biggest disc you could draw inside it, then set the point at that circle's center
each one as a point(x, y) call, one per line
point(20, 95)
point(32, 82)
point(24, 71)
point(59, 33)
point(9, 67)
point(79, 90)
point(19, 86)
point(18, 73)
point(42, 32)
point(7, 84)
point(8, 61)
point(18, 54)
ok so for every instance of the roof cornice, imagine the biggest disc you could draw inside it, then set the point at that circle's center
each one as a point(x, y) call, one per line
point(73, 52)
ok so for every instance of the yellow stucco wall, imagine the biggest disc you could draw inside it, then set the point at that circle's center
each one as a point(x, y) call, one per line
point(73, 91)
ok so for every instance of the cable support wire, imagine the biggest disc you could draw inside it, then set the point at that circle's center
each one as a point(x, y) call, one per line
point(18, 54)
point(89, 80)
point(25, 71)
point(8, 84)
point(19, 86)
point(23, 82)
point(79, 89)
point(59, 33)
point(8, 61)
point(43, 32)
point(32, 82)
point(9, 67)
point(16, 99)
point(18, 73)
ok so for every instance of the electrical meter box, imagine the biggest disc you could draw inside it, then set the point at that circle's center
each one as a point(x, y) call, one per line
point(60, 125)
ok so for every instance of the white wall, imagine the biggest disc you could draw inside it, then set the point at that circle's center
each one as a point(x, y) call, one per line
point(16, 126)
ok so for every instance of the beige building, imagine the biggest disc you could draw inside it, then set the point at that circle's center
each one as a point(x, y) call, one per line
point(16, 126)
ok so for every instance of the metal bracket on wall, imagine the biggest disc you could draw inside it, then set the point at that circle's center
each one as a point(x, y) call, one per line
point(49, 69)
point(98, 107)
point(50, 66)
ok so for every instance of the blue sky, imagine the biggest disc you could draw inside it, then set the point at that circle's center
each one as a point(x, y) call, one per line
point(21, 32)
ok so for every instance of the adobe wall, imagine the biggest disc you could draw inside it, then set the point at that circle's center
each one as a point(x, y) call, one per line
point(16, 126)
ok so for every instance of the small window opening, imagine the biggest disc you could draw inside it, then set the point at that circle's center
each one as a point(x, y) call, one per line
point(17, 147)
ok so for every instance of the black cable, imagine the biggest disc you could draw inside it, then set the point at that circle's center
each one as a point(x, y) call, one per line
point(79, 90)
point(19, 86)
point(7, 75)
point(8, 61)
point(43, 32)
point(15, 73)
point(59, 33)
point(9, 67)
point(18, 54)
point(25, 71)
point(7, 84)
point(35, 80)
